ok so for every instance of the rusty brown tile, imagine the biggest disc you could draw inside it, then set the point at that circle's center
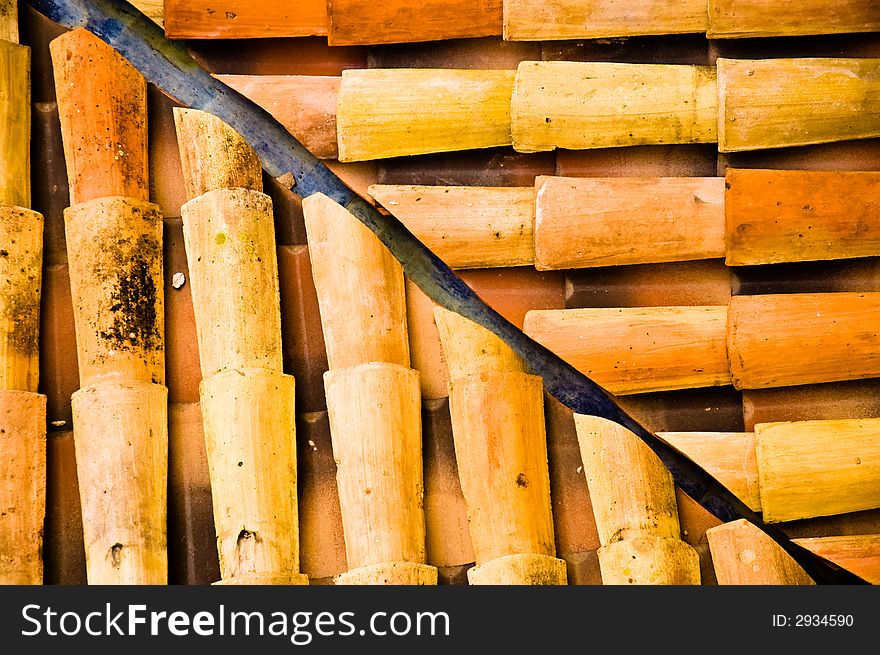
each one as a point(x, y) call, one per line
point(448, 539)
point(322, 544)
point(713, 409)
point(685, 160)
point(453, 575)
point(833, 400)
point(863, 155)
point(35, 30)
point(182, 370)
point(322, 582)
point(490, 167)
point(192, 544)
point(304, 104)
point(102, 105)
point(706, 282)
point(59, 369)
point(303, 56)
point(305, 356)
point(242, 19)
point(290, 228)
point(490, 53)
point(707, 567)
point(694, 519)
point(694, 522)
point(666, 49)
point(50, 194)
point(425, 351)
point(852, 523)
point(573, 521)
point(166, 175)
point(809, 277)
point(356, 21)
point(826, 45)
point(357, 175)
point(515, 291)
point(64, 555)
point(583, 568)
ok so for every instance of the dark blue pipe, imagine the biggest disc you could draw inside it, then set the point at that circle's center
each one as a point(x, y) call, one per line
point(171, 68)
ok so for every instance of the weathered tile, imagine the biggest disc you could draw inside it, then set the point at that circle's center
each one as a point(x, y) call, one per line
point(482, 53)
point(425, 351)
point(64, 555)
point(305, 355)
point(834, 276)
point(832, 400)
point(50, 194)
point(682, 160)
point(182, 370)
point(276, 56)
point(395, 21)
point(861, 155)
point(705, 282)
point(713, 409)
point(573, 520)
point(59, 369)
point(490, 167)
point(666, 49)
point(209, 19)
point(322, 543)
point(304, 104)
point(192, 545)
point(448, 540)
point(514, 291)
point(166, 176)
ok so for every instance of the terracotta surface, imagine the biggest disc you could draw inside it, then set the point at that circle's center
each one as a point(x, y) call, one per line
point(304, 104)
point(290, 230)
point(667, 49)
point(449, 575)
point(511, 291)
point(302, 338)
point(36, 31)
point(684, 160)
point(306, 56)
point(573, 521)
point(393, 21)
point(50, 176)
point(713, 409)
point(514, 291)
point(833, 276)
point(59, 371)
point(448, 541)
point(236, 19)
point(832, 400)
point(192, 548)
point(64, 555)
point(166, 177)
point(182, 372)
point(841, 156)
point(829, 45)
point(359, 176)
point(485, 53)
point(321, 546)
point(103, 111)
point(492, 167)
point(425, 353)
point(706, 282)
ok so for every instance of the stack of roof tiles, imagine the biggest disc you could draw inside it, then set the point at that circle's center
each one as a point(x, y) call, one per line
point(713, 277)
